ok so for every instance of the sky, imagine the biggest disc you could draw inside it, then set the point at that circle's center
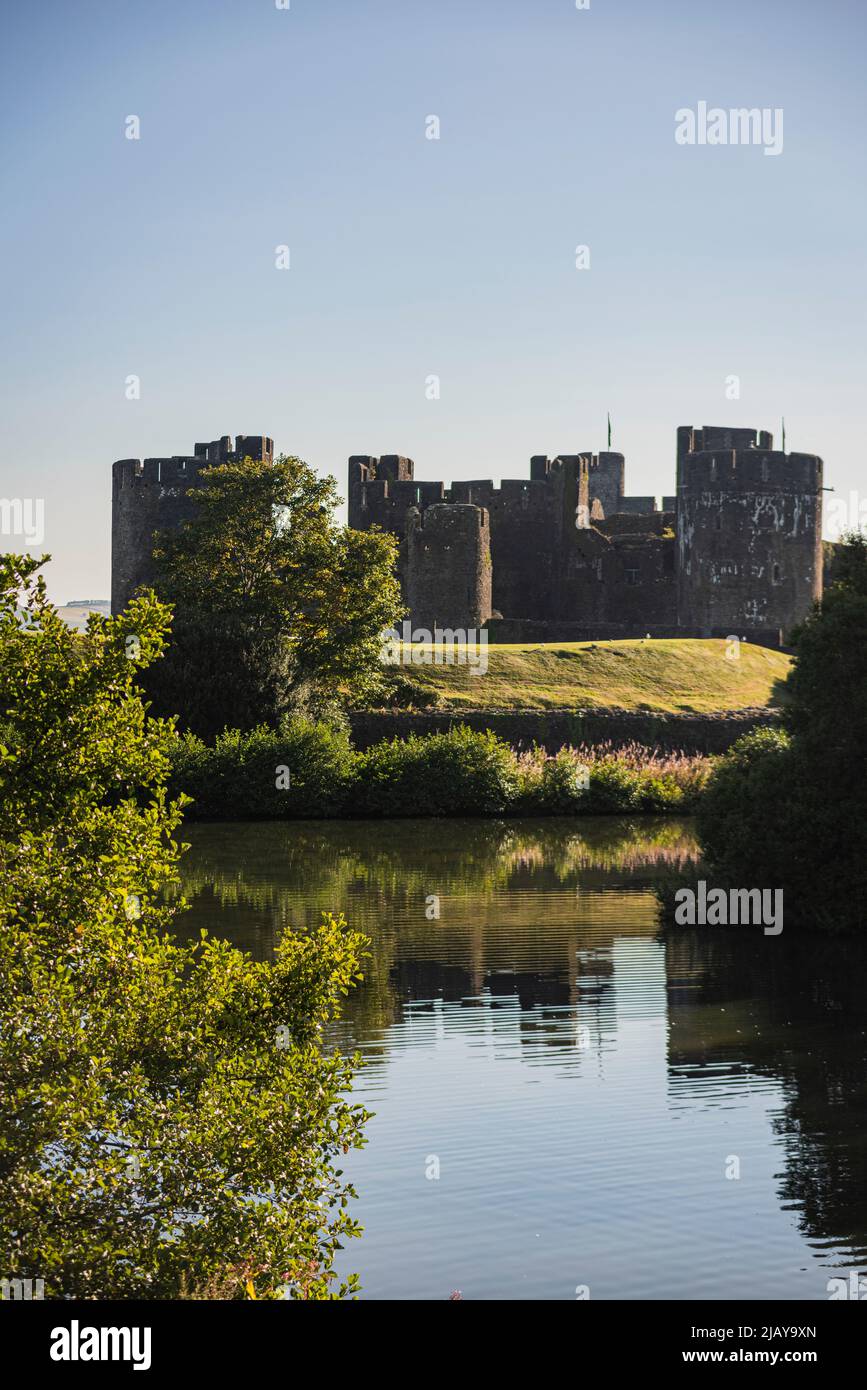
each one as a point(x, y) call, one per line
point(412, 258)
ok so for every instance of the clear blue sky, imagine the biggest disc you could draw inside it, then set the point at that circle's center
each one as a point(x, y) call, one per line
point(412, 257)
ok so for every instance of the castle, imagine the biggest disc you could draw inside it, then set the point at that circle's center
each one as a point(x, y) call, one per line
point(152, 496)
point(564, 554)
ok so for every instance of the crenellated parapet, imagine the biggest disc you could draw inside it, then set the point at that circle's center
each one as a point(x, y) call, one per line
point(749, 530)
point(737, 545)
point(154, 494)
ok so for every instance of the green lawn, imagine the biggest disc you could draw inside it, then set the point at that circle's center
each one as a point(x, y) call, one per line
point(654, 675)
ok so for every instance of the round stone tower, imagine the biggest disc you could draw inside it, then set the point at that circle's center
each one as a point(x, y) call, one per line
point(749, 532)
point(448, 566)
point(154, 495)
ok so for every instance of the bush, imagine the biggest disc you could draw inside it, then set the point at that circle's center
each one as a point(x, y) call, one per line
point(171, 1122)
point(459, 773)
point(790, 812)
point(244, 776)
point(744, 804)
point(608, 781)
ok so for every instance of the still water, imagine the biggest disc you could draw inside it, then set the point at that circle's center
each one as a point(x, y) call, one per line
point(564, 1098)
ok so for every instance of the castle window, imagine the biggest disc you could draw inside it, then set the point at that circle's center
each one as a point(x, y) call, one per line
point(632, 577)
point(765, 471)
point(363, 498)
point(777, 575)
point(713, 468)
point(718, 521)
point(599, 568)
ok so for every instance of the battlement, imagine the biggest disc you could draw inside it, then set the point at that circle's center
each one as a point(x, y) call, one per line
point(179, 470)
point(738, 547)
point(749, 527)
point(222, 450)
point(365, 468)
point(154, 494)
point(446, 519)
point(750, 470)
point(711, 437)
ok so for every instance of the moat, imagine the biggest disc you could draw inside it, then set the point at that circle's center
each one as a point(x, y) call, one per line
point(563, 1098)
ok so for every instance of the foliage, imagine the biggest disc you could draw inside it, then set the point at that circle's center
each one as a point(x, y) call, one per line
point(170, 1118)
point(605, 780)
point(789, 811)
point(246, 774)
point(460, 773)
point(277, 608)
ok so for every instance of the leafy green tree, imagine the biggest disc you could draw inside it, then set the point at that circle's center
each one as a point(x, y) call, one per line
point(789, 809)
point(172, 1125)
point(277, 607)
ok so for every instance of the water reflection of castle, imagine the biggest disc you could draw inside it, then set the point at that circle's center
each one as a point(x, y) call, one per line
point(548, 928)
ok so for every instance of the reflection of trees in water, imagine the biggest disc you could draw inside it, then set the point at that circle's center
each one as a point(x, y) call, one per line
point(251, 864)
point(516, 899)
point(796, 1012)
point(529, 912)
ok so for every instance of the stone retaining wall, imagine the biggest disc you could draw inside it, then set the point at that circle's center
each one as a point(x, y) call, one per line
point(552, 728)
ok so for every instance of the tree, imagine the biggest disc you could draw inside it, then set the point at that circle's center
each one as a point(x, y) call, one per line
point(791, 807)
point(277, 608)
point(172, 1124)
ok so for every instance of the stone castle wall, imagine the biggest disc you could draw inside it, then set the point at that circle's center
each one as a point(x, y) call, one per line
point(738, 548)
point(155, 495)
point(448, 566)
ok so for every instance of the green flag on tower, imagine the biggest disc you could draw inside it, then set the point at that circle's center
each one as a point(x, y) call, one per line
point(609, 429)
point(784, 434)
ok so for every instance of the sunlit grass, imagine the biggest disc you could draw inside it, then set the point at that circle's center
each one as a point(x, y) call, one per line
point(667, 675)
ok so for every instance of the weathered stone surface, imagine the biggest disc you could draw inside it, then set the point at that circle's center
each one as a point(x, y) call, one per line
point(736, 551)
point(154, 495)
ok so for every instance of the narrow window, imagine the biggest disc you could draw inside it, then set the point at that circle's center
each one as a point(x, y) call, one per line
point(632, 577)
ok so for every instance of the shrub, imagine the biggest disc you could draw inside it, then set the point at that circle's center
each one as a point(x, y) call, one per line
point(459, 773)
point(606, 780)
point(170, 1118)
point(245, 775)
point(790, 813)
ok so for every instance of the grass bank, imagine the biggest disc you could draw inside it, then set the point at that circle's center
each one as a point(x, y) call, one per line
point(668, 676)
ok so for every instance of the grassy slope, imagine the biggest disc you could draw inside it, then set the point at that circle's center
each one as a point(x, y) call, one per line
point(653, 675)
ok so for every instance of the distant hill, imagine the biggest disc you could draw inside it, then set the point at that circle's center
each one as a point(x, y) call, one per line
point(76, 614)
